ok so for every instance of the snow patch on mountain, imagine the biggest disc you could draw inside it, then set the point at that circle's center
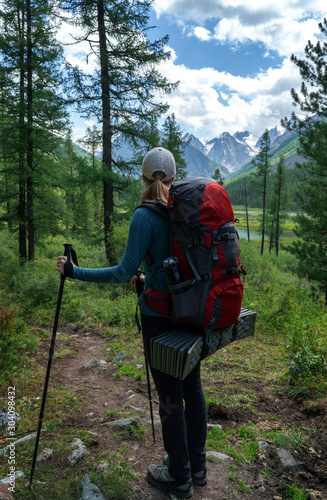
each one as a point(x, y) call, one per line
point(249, 139)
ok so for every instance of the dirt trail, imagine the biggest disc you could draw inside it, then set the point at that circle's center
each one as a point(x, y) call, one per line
point(266, 477)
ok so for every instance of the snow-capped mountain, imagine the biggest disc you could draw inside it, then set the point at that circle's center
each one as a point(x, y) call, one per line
point(247, 138)
point(230, 151)
point(196, 143)
point(203, 156)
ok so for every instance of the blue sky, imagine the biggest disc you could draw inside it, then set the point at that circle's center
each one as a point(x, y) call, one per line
point(196, 53)
point(232, 58)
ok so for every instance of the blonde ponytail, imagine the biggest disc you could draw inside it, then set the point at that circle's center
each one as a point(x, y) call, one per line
point(156, 190)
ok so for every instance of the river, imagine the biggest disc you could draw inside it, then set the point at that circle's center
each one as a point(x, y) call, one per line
point(255, 234)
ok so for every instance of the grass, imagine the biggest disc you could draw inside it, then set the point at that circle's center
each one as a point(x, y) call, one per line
point(135, 432)
point(67, 484)
point(232, 443)
point(296, 493)
point(253, 214)
point(291, 326)
point(292, 437)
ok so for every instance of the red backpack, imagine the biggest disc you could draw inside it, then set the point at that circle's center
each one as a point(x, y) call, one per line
point(203, 238)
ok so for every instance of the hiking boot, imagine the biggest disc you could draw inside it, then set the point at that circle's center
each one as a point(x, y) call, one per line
point(159, 476)
point(199, 478)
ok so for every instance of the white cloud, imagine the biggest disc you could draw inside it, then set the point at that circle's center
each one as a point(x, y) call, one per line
point(284, 26)
point(210, 101)
point(253, 12)
point(287, 36)
point(251, 103)
point(201, 33)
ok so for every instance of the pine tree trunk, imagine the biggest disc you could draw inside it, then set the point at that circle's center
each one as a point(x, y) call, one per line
point(22, 211)
point(263, 214)
point(29, 142)
point(246, 209)
point(4, 160)
point(278, 214)
point(7, 194)
point(106, 133)
point(21, 157)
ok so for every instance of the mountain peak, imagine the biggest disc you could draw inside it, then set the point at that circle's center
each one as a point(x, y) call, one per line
point(195, 142)
point(274, 133)
point(225, 135)
point(242, 135)
point(229, 152)
point(249, 139)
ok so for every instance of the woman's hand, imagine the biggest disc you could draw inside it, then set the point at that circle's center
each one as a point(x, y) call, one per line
point(62, 259)
point(139, 282)
point(138, 277)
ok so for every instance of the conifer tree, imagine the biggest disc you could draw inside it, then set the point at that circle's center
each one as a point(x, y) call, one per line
point(311, 248)
point(311, 228)
point(278, 201)
point(174, 143)
point(262, 162)
point(151, 133)
point(122, 90)
point(217, 176)
point(280, 196)
point(94, 175)
point(140, 146)
point(30, 65)
point(7, 128)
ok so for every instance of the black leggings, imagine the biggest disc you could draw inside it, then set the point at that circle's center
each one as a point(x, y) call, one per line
point(184, 430)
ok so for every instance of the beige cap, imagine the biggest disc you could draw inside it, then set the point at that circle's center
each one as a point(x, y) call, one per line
point(159, 160)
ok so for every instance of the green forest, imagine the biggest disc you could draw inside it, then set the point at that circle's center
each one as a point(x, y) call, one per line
point(53, 191)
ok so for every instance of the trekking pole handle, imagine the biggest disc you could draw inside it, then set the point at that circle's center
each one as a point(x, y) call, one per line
point(68, 247)
point(139, 282)
point(69, 251)
point(68, 267)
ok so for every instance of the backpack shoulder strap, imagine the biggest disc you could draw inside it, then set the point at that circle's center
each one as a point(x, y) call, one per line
point(157, 206)
point(160, 208)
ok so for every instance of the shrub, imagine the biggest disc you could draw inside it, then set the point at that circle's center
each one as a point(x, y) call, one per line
point(35, 286)
point(306, 364)
point(14, 344)
point(289, 307)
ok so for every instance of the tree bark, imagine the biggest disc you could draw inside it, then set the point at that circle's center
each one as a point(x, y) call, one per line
point(106, 133)
point(278, 214)
point(21, 157)
point(29, 141)
point(246, 209)
point(263, 213)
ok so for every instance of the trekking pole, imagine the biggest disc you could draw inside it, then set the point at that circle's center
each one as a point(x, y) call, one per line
point(150, 398)
point(139, 290)
point(68, 251)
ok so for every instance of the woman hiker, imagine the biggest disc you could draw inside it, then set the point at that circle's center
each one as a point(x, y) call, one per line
point(183, 428)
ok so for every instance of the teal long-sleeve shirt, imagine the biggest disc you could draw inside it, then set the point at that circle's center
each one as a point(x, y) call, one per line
point(148, 232)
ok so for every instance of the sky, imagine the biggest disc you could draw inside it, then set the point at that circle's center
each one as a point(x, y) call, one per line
point(232, 59)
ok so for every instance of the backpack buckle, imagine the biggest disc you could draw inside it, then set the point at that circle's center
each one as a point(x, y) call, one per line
point(206, 276)
point(196, 242)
